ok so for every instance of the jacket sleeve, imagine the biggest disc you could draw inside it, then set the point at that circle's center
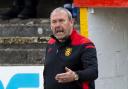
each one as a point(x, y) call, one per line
point(89, 62)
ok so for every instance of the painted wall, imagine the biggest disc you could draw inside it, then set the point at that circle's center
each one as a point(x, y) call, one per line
point(108, 28)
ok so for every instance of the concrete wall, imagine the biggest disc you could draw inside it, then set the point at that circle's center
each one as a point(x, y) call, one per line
point(108, 28)
point(22, 41)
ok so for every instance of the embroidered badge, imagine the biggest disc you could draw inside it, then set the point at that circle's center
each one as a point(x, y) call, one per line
point(68, 51)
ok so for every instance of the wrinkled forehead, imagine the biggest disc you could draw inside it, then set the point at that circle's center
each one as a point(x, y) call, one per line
point(58, 13)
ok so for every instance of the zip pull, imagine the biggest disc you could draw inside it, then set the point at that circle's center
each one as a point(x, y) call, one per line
point(57, 51)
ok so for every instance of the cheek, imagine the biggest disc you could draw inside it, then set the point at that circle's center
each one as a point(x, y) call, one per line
point(65, 26)
point(52, 29)
point(52, 26)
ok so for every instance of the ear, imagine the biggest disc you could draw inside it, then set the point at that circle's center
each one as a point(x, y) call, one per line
point(72, 22)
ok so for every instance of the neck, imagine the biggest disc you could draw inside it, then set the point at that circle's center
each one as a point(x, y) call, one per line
point(63, 40)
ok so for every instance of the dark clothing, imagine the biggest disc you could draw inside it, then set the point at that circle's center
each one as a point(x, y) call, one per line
point(78, 54)
point(68, 1)
point(22, 9)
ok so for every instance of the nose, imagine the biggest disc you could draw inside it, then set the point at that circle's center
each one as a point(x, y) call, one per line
point(58, 24)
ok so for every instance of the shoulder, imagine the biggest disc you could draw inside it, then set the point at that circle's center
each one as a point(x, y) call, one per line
point(51, 41)
point(78, 39)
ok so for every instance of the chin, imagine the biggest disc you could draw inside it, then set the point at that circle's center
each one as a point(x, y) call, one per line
point(60, 38)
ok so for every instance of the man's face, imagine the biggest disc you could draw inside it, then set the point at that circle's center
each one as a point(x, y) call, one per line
point(61, 26)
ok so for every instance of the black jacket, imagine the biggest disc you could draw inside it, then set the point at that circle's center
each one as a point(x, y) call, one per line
point(77, 53)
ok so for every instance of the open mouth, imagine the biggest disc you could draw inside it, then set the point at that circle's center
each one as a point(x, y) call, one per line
point(58, 31)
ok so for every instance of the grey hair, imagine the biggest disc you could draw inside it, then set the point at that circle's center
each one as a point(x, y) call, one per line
point(62, 9)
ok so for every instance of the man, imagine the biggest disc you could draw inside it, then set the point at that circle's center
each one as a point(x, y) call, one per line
point(71, 61)
point(22, 9)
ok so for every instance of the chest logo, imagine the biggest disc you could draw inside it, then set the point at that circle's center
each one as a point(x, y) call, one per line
point(68, 51)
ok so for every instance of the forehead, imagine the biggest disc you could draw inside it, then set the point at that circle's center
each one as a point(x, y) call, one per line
point(59, 14)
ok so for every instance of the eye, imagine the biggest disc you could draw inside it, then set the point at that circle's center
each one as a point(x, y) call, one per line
point(61, 20)
point(54, 21)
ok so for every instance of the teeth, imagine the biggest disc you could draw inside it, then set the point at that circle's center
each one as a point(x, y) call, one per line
point(59, 31)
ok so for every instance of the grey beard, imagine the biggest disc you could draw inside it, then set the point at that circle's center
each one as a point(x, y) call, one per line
point(63, 39)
